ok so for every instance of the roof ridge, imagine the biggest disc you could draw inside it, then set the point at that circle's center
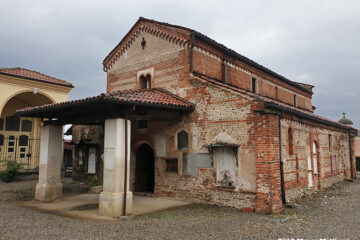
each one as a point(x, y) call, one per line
point(41, 76)
point(175, 96)
point(154, 98)
point(217, 45)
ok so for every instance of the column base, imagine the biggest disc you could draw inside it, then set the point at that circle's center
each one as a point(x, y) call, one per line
point(111, 204)
point(46, 192)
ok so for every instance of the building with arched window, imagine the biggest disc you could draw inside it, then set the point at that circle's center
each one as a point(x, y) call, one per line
point(186, 117)
point(20, 136)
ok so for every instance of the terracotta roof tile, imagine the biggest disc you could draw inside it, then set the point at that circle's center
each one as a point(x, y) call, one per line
point(153, 97)
point(33, 75)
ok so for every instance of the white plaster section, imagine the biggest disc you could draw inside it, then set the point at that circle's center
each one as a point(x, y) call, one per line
point(207, 53)
point(224, 158)
point(237, 68)
point(92, 161)
point(49, 187)
point(225, 139)
point(112, 198)
point(160, 145)
point(146, 72)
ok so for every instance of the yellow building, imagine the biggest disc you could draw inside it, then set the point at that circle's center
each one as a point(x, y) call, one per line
point(22, 88)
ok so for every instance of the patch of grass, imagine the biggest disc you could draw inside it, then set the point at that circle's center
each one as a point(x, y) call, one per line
point(48, 221)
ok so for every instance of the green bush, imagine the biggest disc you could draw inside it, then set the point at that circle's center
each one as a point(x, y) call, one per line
point(9, 174)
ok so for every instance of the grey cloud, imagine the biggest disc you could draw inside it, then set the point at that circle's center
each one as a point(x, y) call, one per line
point(311, 41)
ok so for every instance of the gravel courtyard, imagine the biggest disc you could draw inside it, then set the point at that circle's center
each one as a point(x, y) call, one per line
point(334, 213)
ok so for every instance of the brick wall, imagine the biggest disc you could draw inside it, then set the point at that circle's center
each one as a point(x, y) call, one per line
point(296, 164)
point(220, 110)
point(209, 61)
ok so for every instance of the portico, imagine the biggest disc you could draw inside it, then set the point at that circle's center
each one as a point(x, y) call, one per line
point(115, 112)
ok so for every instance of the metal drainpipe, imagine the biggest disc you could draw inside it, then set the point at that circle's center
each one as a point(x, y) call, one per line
point(283, 197)
point(351, 161)
point(281, 163)
point(192, 52)
point(126, 157)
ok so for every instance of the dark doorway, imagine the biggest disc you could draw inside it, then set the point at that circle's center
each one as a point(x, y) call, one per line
point(144, 169)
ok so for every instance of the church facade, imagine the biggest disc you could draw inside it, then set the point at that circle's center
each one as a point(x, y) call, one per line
point(253, 140)
point(202, 123)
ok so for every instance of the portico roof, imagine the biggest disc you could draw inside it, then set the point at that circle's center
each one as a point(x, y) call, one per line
point(108, 105)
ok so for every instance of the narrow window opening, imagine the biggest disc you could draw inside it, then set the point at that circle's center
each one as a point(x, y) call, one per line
point(143, 43)
point(297, 170)
point(145, 81)
point(290, 141)
point(148, 81)
point(183, 140)
point(295, 100)
point(225, 71)
point(254, 85)
point(330, 143)
point(1, 140)
point(142, 82)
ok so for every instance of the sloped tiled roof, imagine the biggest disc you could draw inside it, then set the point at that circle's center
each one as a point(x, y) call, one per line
point(153, 97)
point(202, 37)
point(33, 75)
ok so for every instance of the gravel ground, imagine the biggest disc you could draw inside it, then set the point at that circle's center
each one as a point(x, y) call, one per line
point(333, 213)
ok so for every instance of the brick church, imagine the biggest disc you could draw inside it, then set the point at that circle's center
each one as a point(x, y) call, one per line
point(206, 124)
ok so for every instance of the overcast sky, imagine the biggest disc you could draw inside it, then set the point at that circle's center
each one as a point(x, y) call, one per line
point(315, 42)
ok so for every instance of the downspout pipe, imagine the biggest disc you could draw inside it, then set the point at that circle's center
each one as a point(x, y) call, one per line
point(192, 35)
point(351, 157)
point(126, 165)
point(280, 115)
point(283, 197)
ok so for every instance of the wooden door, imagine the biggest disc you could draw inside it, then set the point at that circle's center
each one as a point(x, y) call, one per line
point(144, 169)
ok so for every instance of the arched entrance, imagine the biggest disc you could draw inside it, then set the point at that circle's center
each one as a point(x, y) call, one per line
point(20, 136)
point(144, 169)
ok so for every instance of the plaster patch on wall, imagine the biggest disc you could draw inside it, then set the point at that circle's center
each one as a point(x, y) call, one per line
point(160, 145)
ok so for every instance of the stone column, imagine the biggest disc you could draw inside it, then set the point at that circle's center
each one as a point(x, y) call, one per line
point(49, 186)
point(111, 200)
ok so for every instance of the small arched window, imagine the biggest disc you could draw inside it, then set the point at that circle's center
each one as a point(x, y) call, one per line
point(145, 81)
point(183, 140)
point(290, 141)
